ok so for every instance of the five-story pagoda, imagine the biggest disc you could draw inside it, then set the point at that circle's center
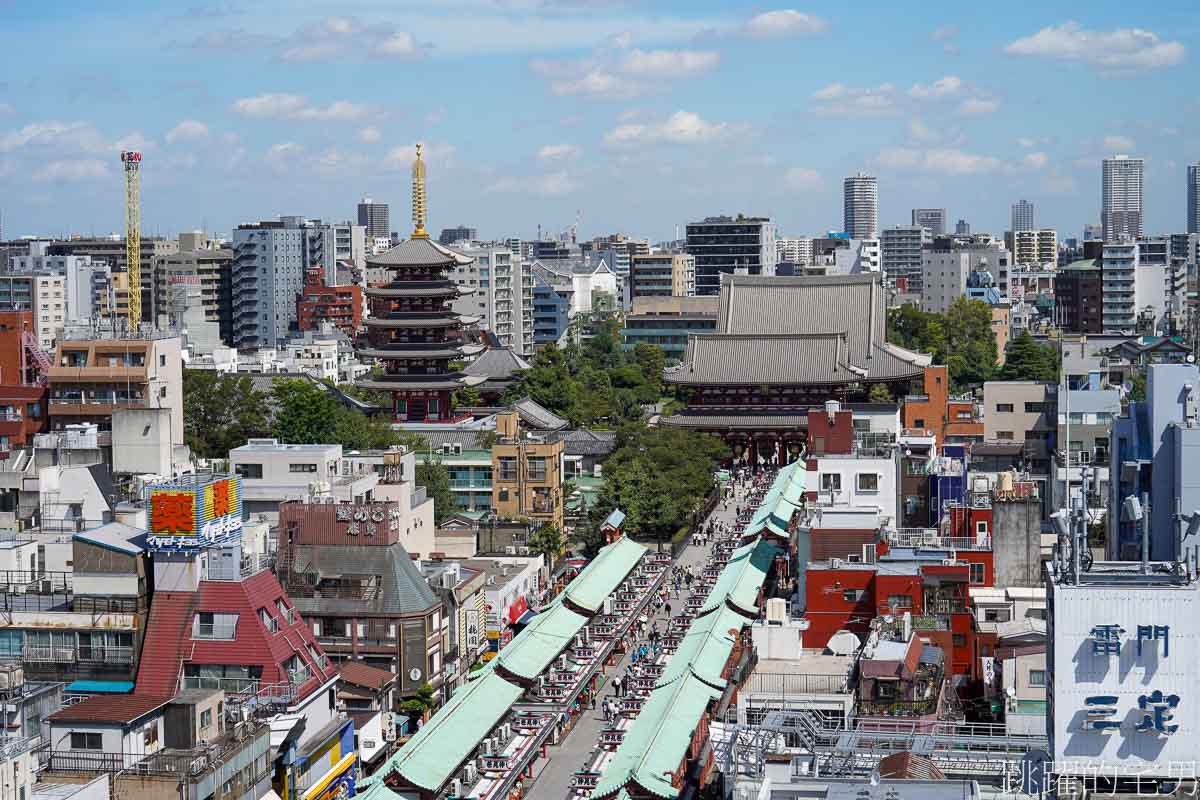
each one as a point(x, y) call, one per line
point(411, 331)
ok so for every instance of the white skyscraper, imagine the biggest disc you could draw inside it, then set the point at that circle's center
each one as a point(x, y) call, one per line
point(1121, 198)
point(1022, 216)
point(860, 205)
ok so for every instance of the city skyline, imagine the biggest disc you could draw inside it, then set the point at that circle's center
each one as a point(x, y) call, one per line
point(245, 113)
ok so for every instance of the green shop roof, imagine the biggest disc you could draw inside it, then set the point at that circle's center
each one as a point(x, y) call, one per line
point(604, 573)
point(532, 650)
point(429, 759)
point(739, 582)
point(781, 501)
point(705, 649)
point(656, 743)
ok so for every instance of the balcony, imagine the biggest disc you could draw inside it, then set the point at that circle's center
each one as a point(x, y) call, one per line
point(930, 538)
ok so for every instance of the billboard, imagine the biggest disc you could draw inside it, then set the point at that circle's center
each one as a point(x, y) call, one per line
point(190, 514)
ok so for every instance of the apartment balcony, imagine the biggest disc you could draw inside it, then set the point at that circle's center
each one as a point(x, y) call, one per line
point(931, 538)
point(93, 407)
point(103, 374)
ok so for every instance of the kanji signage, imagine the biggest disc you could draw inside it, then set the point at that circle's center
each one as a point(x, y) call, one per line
point(185, 515)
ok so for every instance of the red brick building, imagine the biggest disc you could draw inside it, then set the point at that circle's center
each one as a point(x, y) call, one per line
point(340, 305)
point(22, 382)
point(949, 418)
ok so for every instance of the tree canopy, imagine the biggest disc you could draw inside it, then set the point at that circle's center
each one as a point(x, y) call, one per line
point(962, 338)
point(433, 475)
point(220, 412)
point(1027, 360)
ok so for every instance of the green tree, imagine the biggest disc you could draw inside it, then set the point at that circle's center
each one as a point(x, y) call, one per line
point(548, 542)
point(1027, 360)
point(651, 360)
point(220, 412)
point(1137, 382)
point(913, 329)
point(419, 704)
point(466, 397)
point(434, 476)
point(972, 357)
point(304, 412)
point(880, 393)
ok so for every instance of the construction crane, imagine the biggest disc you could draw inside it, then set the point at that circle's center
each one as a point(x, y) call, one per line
point(133, 236)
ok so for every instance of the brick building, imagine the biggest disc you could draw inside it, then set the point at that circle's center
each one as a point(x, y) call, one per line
point(319, 302)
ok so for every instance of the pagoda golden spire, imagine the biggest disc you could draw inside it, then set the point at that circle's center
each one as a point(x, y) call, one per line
point(418, 197)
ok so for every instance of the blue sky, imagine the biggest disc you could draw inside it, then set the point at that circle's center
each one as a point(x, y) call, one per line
point(638, 115)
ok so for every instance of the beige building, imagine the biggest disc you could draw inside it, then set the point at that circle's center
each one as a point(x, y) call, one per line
point(211, 270)
point(526, 474)
point(662, 275)
point(1019, 411)
point(1038, 248)
point(1001, 329)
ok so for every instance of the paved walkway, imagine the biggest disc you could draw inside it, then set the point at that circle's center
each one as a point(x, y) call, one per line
point(579, 748)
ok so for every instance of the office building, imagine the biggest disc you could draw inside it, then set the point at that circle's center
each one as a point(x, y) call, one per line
point(271, 261)
point(1022, 217)
point(211, 271)
point(1079, 297)
point(1193, 198)
point(551, 311)
point(1121, 198)
point(901, 249)
point(667, 322)
point(459, 233)
point(962, 228)
point(730, 245)
point(86, 283)
point(933, 219)
point(374, 218)
point(860, 206)
point(501, 293)
point(1033, 247)
point(110, 250)
point(947, 264)
point(350, 244)
point(662, 275)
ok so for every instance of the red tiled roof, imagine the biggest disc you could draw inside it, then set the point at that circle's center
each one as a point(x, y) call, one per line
point(361, 674)
point(254, 644)
point(109, 708)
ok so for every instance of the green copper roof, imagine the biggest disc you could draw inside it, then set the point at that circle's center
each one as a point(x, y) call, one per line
point(742, 578)
point(705, 649)
point(430, 758)
point(781, 501)
point(528, 655)
point(604, 573)
point(659, 738)
point(373, 788)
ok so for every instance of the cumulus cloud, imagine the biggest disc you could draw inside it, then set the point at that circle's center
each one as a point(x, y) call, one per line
point(187, 129)
point(329, 39)
point(1121, 49)
point(921, 132)
point(282, 154)
point(71, 169)
point(294, 106)
point(68, 138)
point(682, 127)
point(944, 160)
point(781, 23)
point(400, 44)
point(943, 87)
point(978, 105)
point(1036, 160)
point(837, 99)
point(370, 135)
point(435, 153)
point(802, 179)
point(670, 63)
point(1113, 142)
point(553, 184)
point(946, 34)
point(557, 152)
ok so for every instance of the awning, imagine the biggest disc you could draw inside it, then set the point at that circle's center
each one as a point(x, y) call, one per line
point(526, 617)
point(100, 687)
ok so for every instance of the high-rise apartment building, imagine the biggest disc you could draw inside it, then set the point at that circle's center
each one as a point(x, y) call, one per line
point(459, 233)
point(731, 245)
point(794, 250)
point(111, 251)
point(662, 275)
point(1022, 216)
point(1121, 198)
point(860, 206)
point(1143, 286)
point(350, 244)
point(932, 218)
point(374, 217)
point(499, 290)
point(901, 251)
point(1092, 232)
point(210, 269)
point(1193, 198)
point(87, 283)
point(1035, 247)
point(270, 261)
point(44, 296)
point(963, 228)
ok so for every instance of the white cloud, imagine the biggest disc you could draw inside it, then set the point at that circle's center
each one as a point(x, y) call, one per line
point(555, 152)
point(76, 169)
point(280, 155)
point(670, 63)
point(978, 105)
point(399, 45)
point(346, 37)
point(945, 160)
point(682, 127)
point(944, 33)
point(1027, 142)
point(294, 106)
point(837, 99)
point(1122, 49)
point(370, 135)
point(921, 132)
point(942, 87)
point(1036, 160)
point(596, 84)
point(553, 184)
point(1119, 143)
point(621, 40)
point(802, 179)
point(187, 129)
point(784, 22)
point(434, 153)
point(63, 139)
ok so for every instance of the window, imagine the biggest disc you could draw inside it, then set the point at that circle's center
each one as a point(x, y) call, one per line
point(919, 423)
point(977, 572)
point(302, 467)
point(537, 469)
point(899, 601)
point(996, 615)
point(1037, 408)
point(86, 741)
point(831, 482)
point(1004, 435)
point(508, 468)
point(162, 360)
point(213, 625)
point(248, 470)
point(1004, 408)
point(269, 622)
point(206, 718)
point(868, 482)
point(852, 595)
point(862, 426)
point(1037, 678)
point(150, 734)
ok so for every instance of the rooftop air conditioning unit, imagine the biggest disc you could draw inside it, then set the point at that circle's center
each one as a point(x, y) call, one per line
point(948, 562)
point(510, 551)
point(835, 563)
point(471, 774)
point(456, 788)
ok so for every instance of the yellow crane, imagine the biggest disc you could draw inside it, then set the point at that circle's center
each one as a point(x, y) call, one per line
point(133, 236)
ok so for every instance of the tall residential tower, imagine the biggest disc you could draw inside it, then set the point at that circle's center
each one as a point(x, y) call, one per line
point(1121, 198)
point(1193, 198)
point(1022, 216)
point(374, 217)
point(860, 206)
